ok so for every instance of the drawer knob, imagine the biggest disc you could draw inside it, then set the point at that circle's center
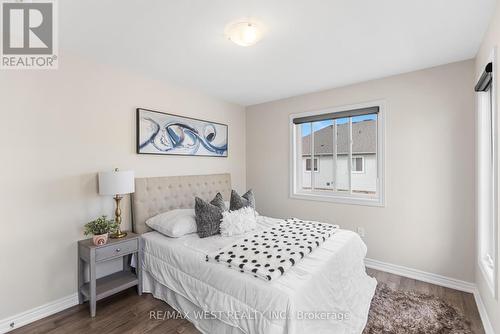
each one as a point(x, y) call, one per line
point(117, 250)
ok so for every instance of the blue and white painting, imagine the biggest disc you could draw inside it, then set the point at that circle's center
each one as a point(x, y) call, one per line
point(161, 133)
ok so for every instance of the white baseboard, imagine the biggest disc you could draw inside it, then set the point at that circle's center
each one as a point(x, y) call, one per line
point(420, 275)
point(488, 329)
point(440, 280)
point(48, 309)
point(37, 313)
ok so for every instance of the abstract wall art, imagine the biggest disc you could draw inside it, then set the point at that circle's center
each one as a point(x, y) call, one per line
point(162, 133)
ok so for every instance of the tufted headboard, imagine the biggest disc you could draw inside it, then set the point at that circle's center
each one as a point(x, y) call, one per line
point(154, 195)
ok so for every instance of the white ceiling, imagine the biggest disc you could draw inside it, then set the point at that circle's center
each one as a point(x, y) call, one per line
point(310, 45)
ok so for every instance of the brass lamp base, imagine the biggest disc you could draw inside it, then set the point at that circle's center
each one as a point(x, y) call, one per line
point(118, 219)
point(118, 235)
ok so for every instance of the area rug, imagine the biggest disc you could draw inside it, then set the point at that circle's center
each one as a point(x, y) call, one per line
point(402, 312)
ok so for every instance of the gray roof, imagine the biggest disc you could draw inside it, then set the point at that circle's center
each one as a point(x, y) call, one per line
point(364, 139)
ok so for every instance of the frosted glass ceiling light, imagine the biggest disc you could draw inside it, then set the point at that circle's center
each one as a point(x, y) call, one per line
point(244, 33)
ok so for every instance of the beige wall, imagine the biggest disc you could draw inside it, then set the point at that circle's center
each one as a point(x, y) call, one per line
point(57, 130)
point(428, 222)
point(491, 40)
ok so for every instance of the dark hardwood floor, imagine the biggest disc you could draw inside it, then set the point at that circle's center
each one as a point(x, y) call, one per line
point(129, 313)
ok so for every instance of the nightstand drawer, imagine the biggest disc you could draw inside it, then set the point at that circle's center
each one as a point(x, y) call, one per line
point(116, 249)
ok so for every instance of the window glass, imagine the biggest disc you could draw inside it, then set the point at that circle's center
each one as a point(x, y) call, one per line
point(357, 164)
point(364, 152)
point(308, 164)
point(342, 154)
point(323, 148)
point(304, 131)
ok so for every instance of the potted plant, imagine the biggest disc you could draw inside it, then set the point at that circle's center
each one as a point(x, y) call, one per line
point(99, 229)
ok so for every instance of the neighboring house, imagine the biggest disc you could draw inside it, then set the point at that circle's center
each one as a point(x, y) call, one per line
point(364, 159)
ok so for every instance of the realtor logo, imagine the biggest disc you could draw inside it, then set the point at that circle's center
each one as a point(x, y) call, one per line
point(28, 35)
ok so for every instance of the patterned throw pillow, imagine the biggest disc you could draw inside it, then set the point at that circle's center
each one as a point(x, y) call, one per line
point(219, 201)
point(209, 215)
point(238, 202)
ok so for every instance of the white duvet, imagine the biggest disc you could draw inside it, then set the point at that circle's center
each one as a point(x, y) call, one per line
point(327, 292)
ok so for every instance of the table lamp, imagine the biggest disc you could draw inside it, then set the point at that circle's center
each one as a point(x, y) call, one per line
point(116, 184)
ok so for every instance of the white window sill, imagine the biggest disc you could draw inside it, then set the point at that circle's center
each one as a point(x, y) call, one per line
point(339, 198)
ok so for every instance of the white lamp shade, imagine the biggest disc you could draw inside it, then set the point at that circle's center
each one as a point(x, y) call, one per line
point(116, 183)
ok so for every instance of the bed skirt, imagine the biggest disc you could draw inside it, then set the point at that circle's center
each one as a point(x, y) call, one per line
point(184, 306)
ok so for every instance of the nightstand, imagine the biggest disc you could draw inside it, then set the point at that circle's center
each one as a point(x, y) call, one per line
point(96, 289)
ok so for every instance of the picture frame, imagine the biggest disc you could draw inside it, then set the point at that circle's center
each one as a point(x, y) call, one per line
point(162, 133)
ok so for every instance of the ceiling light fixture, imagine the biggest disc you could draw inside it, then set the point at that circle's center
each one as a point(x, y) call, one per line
point(244, 32)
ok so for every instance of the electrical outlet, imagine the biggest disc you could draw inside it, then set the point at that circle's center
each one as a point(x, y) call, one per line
point(360, 231)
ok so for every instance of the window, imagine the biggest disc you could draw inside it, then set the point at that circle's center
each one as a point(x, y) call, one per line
point(346, 145)
point(487, 177)
point(358, 164)
point(308, 164)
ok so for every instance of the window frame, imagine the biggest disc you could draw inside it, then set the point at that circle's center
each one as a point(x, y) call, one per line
point(337, 197)
point(490, 274)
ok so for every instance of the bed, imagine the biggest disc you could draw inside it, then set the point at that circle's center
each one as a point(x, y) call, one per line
point(327, 292)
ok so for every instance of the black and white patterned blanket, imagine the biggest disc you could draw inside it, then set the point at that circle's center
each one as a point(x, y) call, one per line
point(269, 253)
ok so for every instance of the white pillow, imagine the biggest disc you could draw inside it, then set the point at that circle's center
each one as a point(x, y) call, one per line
point(238, 221)
point(174, 223)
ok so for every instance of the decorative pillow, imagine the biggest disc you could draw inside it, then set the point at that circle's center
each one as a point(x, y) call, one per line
point(219, 201)
point(238, 202)
point(174, 223)
point(238, 222)
point(209, 215)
